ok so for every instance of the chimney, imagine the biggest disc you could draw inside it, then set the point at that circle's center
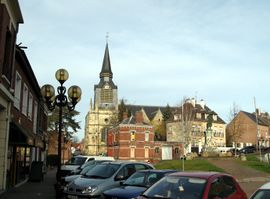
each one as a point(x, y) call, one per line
point(202, 103)
point(193, 102)
point(139, 117)
point(125, 115)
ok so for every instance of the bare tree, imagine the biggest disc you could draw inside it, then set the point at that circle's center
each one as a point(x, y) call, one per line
point(186, 113)
point(234, 130)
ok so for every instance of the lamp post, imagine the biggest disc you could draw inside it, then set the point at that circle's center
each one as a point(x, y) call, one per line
point(60, 100)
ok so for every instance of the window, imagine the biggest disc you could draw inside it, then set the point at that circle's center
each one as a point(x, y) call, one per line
point(106, 95)
point(198, 115)
point(104, 134)
point(146, 152)
point(222, 187)
point(25, 99)
point(147, 136)
point(17, 92)
point(35, 117)
point(132, 152)
point(157, 150)
point(30, 106)
point(176, 150)
point(9, 47)
point(132, 136)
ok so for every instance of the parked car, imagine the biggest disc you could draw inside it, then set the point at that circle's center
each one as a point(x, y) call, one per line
point(262, 192)
point(87, 167)
point(234, 151)
point(102, 177)
point(195, 185)
point(248, 149)
point(136, 184)
point(91, 162)
point(77, 161)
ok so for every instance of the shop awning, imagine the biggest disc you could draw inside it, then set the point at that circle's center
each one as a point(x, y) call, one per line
point(20, 136)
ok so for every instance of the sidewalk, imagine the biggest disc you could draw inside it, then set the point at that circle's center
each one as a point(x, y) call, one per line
point(34, 190)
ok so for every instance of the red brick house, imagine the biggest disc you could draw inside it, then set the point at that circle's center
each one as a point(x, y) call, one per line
point(10, 18)
point(28, 124)
point(53, 146)
point(246, 130)
point(133, 139)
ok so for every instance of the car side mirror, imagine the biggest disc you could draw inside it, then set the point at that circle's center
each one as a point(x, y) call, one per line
point(119, 177)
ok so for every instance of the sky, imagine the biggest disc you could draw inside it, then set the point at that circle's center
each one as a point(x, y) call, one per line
point(161, 50)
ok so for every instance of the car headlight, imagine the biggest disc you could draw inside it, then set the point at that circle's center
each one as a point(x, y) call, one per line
point(66, 188)
point(90, 189)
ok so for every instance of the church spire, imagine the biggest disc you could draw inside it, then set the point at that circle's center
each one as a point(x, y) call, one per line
point(106, 66)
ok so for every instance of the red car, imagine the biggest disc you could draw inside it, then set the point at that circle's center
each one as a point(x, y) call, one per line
point(196, 185)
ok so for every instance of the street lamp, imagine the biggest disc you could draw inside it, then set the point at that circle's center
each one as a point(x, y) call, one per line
point(60, 100)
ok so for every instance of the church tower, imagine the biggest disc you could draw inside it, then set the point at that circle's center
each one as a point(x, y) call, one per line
point(103, 112)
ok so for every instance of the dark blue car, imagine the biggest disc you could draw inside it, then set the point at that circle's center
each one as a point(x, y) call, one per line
point(136, 184)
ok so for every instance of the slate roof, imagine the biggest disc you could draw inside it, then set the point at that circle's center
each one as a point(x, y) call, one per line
point(261, 120)
point(106, 70)
point(152, 110)
point(132, 120)
point(149, 110)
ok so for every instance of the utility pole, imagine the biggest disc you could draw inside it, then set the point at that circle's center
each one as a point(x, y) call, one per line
point(258, 145)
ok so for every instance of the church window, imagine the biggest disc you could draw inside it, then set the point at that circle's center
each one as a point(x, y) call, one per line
point(106, 95)
point(104, 135)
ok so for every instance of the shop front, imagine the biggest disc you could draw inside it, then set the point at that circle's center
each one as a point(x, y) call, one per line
point(20, 155)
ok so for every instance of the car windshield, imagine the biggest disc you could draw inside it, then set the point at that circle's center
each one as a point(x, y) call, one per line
point(177, 187)
point(87, 168)
point(90, 162)
point(102, 171)
point(261, 194)
point(143, 179)
point(76, 161)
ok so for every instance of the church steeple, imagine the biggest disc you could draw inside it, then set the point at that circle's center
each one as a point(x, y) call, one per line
point(106, 65)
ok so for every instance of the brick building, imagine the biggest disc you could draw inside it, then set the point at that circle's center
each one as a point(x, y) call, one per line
point(28, 124)
point(133, 139)
point(246, 129)
point(10, 18)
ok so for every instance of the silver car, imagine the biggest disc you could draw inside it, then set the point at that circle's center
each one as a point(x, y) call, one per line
point(102, 177)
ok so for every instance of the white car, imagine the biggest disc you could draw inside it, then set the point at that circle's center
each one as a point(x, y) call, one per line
point(262, 193)
point(77, 161)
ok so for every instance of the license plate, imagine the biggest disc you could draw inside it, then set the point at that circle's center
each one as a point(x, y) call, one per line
point(72, 197)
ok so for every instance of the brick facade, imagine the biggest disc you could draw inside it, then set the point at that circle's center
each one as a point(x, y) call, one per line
point(247, 132)
point(133, 140)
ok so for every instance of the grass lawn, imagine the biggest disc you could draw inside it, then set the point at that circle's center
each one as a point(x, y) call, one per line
point(255, 163)
point(189, 165)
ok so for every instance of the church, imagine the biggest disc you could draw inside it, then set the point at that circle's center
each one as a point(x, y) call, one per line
point(102, 128)
point(104, 109)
